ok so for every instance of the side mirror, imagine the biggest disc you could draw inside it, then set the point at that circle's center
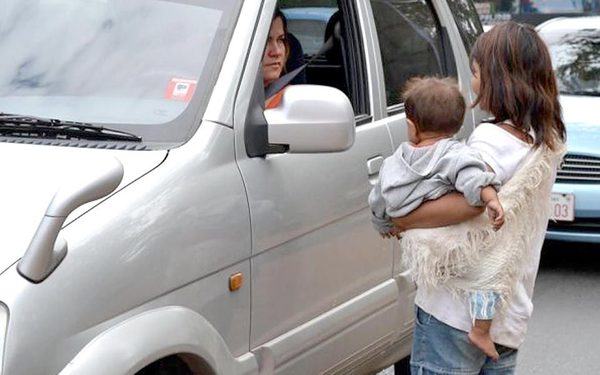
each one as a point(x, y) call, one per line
point(312, 119)
point(47, 249)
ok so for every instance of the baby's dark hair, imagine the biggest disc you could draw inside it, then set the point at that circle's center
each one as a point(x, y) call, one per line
point(434, 104)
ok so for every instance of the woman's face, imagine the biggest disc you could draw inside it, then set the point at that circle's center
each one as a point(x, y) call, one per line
point(475, 79)
point(275, 53)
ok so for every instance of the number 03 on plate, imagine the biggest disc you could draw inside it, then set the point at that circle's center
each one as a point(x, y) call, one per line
point(563, 207)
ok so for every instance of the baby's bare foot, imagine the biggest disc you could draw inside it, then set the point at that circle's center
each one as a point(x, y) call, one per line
point(483, 341)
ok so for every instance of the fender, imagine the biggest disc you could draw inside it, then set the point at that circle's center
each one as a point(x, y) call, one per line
point(144, 338)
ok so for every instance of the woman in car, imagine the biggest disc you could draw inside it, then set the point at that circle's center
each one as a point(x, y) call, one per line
point(275, 56)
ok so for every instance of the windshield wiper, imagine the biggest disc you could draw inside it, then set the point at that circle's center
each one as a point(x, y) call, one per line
point(31, 126)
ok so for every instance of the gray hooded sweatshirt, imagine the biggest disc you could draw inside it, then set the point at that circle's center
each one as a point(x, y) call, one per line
point(413, 175)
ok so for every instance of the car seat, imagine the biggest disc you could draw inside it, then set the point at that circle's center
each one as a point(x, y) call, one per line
point(331, 70)
point(295, 59)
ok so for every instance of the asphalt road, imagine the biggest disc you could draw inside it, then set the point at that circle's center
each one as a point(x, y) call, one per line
point(564, 332)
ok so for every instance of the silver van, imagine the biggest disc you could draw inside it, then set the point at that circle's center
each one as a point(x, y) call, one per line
point(156, 219)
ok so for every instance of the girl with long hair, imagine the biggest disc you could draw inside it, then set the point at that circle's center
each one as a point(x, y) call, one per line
point(514, 81)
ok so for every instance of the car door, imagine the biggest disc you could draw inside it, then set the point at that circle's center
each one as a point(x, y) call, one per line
point(323, 297)
point(413, 39)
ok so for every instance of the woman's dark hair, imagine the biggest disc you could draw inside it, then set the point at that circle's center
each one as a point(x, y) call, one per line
point(279, 14)
point(517, 82)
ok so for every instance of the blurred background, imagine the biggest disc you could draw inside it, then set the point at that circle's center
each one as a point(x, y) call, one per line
point(533, 11)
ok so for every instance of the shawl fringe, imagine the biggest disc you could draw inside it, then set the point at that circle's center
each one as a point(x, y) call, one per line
point(472, 256)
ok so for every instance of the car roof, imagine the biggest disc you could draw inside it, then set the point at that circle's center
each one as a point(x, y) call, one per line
point(570, 23)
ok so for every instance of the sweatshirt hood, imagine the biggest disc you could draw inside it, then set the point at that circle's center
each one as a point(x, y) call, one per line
point(418, 162)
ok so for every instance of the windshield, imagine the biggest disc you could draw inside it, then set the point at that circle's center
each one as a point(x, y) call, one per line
point(576, 59)
point(134, 64)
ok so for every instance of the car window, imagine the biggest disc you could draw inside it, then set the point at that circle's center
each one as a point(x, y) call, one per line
point(410, 41)
point(341, 65)
point(466, 18)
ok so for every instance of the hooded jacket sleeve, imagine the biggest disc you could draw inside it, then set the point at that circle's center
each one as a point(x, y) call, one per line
point(471, 175)
point(381, 221)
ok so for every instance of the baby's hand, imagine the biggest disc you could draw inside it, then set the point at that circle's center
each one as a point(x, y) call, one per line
point(495, 213)
point(394, 232)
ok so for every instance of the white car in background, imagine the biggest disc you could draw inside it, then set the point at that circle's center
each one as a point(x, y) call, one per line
point(574, 45)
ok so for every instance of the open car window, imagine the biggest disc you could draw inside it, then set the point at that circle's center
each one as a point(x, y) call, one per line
point(314, 23)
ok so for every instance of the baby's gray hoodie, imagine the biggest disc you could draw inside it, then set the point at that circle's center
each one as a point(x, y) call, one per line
point(413, 175)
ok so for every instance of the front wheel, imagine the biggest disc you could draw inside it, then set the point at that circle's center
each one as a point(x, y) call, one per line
point(402, 367)
point(172, 365)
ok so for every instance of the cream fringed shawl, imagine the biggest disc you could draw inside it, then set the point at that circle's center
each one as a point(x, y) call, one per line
point(471, 255)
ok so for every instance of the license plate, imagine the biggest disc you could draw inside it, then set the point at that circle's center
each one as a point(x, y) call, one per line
point(563, 207)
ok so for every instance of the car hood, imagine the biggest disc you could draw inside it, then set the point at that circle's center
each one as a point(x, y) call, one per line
point(32, 174)
point(582, 119)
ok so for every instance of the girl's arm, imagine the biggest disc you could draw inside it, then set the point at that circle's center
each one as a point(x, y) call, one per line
point(447, 210)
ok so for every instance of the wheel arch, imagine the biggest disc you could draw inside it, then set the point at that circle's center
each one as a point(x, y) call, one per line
point(156, 334)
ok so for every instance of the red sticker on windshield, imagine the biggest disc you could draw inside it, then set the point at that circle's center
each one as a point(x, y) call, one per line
point(180, 89)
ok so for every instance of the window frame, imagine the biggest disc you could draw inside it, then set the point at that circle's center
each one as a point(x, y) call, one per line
point(465, 35)
point(358, 86)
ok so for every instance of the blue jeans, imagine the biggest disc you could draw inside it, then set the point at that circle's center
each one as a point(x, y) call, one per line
point(439, 349)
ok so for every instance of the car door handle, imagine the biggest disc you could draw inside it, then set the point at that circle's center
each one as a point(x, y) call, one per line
point(373, 166)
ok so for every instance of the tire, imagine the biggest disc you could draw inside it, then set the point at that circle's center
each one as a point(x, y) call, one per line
point(402, 367)
point(172, 365)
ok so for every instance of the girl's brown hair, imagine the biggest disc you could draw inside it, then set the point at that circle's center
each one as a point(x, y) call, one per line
point(517, 82)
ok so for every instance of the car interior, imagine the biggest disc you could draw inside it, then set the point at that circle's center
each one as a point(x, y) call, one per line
point(326, 67)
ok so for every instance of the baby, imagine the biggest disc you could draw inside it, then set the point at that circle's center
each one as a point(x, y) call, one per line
point(433, 164)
